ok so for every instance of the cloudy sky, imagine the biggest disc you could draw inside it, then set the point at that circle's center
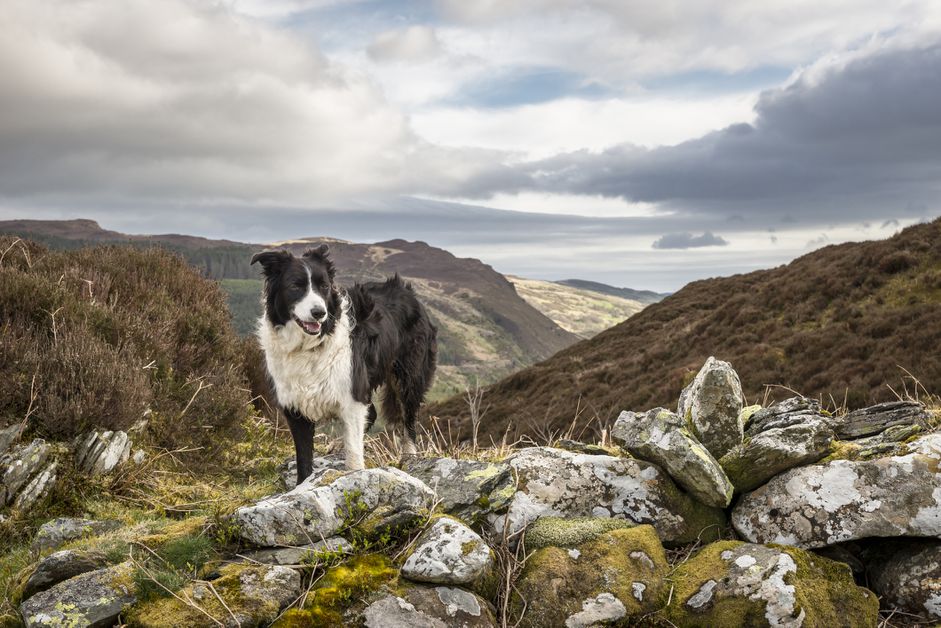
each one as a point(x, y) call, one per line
point(643, 144)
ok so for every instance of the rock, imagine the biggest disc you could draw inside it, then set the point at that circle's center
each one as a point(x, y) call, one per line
point(731, 583)
point(907, 575)
point(19, 465)
point(766, 454)
point(554, 482)
point(448, 552)
point(427, 607)
point(617, 574)
point(254, 595)
point(95, 598)
point(9, 435)
point(793, 411)
point(60, 566)
point(582, 448)
point(844, 500)
point(711, 405)
point(302, 555)
point(37, 488)
point(661, 437)
point(872, 420)
point(468, 489)
point(311, 511)
point(55, 533)
point(320, 464)
point(889, 442)
point(559, 532)
point(100, 452)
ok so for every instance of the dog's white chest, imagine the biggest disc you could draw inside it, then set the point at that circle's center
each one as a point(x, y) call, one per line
point(311, 374)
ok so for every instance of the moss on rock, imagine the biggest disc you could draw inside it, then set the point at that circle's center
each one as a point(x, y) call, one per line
point(562, 532)
point(627, 567)
point(732, 583)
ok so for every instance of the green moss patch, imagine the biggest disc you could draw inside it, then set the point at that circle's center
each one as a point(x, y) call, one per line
point(561, 532)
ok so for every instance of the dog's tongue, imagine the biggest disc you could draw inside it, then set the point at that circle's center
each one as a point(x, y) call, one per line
point(310, 328)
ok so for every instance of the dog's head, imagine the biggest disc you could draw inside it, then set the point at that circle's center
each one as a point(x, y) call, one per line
point(300, 290)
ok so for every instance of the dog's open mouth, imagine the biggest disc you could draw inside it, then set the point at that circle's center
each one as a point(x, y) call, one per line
point(310, 327)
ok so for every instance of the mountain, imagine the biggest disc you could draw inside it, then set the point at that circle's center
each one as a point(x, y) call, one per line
point(486, 330)
point(582, 312)
point(840, 323)
point(643, 296)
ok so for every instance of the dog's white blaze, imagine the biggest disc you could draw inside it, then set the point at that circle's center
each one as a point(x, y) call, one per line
point(314, 374)
point(303, 307)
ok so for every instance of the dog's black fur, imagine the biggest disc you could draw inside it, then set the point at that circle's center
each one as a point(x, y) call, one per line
point(394, 343)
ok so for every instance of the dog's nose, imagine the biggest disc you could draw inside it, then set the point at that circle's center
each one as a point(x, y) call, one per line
point(318, 313)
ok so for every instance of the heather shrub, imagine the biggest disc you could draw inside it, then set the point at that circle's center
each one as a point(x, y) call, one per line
point(93, 338)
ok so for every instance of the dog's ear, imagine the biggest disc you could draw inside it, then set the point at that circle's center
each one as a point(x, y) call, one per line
point(271, 261)
point(320, 254)
point(320, 251)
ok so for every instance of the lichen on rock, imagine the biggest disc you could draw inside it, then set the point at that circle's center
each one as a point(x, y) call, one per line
point(712, 404)
point(448, 552)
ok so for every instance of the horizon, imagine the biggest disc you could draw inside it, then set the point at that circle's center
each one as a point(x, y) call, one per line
point(639, 147)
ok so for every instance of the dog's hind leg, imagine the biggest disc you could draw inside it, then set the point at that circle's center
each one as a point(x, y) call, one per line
point(354, 426)
point(302, 431)
point(370, 416)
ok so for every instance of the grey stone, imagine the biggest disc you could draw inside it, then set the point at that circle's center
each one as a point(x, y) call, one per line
point(315, 511)
point(55, 533)
point(711, 404)
point(907, 575)
point(766, 454)
point(9, 435)
point(100, 452)
point(299, 555)
point(37, 488)
point(60, 566)
point(427, 607)
point(320, 464)
point(793, 411)
point(560, 483)
point(94, 599)
point(448, 552)
point(19, 465)
point(875, 419)
point(264, 586)
point(659, 436)
point(468, 489)
point(601, 609)
point(843, 500)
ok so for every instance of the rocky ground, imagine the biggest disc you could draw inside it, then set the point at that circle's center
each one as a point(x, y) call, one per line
point(717, 514)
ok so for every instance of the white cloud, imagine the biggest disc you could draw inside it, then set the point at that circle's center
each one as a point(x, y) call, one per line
point(414, 43)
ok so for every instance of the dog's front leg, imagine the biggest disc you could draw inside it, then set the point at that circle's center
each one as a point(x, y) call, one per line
point(302, 431)
point(354, 424)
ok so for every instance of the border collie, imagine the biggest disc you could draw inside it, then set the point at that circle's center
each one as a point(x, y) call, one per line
point(328, 349)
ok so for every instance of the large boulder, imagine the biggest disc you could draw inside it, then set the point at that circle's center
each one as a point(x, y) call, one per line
point(731, 583)
point(53, 534)
point(60, 566)
point(467, 489)
point(94, 599)
point(786, 435)
point(906, 573)
point(607, 578)
point(449, 552)
point(843, 500)
point(661, 437)
point(100, 452)
point(251, 595)
point(712, 404)
point(320, 506)
point(554, 482)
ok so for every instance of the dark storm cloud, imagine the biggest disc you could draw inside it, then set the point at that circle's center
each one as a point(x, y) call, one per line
point(860, 140)
point(689, 241)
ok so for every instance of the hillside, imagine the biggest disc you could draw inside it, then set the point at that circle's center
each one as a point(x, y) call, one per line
point(486, 330)
point(841, 321)
point(582, 312)
point(643, 296)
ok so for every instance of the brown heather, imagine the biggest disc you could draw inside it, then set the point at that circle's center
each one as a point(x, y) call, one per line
point(92, 338)
point(844, 323)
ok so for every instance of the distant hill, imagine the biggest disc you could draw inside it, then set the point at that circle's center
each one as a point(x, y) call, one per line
point(840, 322)
point(642, 296)
point(486, 330)
point(582, 312)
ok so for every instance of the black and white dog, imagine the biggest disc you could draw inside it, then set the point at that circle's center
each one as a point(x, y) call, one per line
point(327, 349)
